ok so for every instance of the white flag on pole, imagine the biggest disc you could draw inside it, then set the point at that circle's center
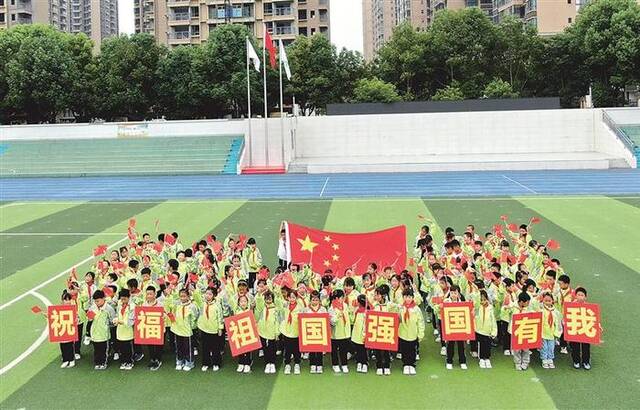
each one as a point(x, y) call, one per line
point(285, 60)
point(253, 56)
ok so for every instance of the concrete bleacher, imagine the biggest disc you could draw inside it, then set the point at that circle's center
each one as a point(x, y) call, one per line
point(461, 141)
point(183, 155)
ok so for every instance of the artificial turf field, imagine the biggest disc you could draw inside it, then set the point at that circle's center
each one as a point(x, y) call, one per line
point(600, 243)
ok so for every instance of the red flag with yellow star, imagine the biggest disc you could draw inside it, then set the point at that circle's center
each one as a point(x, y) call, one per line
point(339, 251)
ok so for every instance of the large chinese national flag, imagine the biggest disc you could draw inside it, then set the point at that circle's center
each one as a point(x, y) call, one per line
point(338, 251)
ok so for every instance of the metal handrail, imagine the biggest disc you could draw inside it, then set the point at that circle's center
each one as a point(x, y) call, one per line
point(630, 145)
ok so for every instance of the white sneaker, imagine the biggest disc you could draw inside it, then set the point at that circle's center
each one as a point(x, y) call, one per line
point(405, 370)
point(474, 353)
point(205, 368)
point(87, 341)
point(387, 371)
point(518, 366)
point(435, 332)
point(287, 369)
point(313, 370)
point(261, 353)
point(187, 367)
point(463, 366)
point(564, 350)
point(240, 368)
point(64, 365)
point(296, 369)
point(359, 368)
point(336, 369)
point(507, 352)
point(417, 357)
point(123, 366)
point(215, 368)
point(349, 356)
point(247, 369)
point(482, 364)
point(77, 356)
point(116, 356)
point(438, 339)
point(178, 367)
point(398, 355)
point(365, 368)
point(195, 352)
point(319, 369)
point(305, 356)
point(379, 372)
point(267, 369)
point(487, 364)
point(412, 370)
point(550, 364)
point(443, 351)
point(71, 364)
point(449, 366)
point(345, 369)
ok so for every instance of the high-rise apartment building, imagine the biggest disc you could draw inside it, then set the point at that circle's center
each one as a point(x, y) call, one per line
point(98, 19)
point(177, 22)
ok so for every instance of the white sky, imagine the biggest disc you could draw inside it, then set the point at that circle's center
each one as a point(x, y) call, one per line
point(346, 22)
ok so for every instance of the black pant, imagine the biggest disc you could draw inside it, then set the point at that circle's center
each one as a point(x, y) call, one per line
point(89, 323)
point(503, 335)
point(283, 264)
point(252, 280)
point(291, 350)
point(155, 352)
point(408, 350)
point(184, 351)
point(170, 339)
point(67, 352)
point(360, 353)
point(100, 352)
point(269, 349)
point(383, 359)
point(245, 359)
point(580, 352)
point(125, 347)
point(563, 343)
point(315, 359)
point(450, 349)
point(78, 344)
point(339, 349)
point(210, 350)
point(485, 346)
point(442, 342)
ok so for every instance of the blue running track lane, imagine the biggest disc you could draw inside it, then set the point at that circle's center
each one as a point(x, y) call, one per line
point(301, 186)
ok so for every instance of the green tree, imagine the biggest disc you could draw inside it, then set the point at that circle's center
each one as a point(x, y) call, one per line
point(351, 68)
point(498, 88)
point(401, 62)
point(315, 77)
point(83, 100)
point(518, 47)
point(177, 91)
point(607, 32)
point(127, 84)
point(374, 90)
point(451, 92)
point(36, 73)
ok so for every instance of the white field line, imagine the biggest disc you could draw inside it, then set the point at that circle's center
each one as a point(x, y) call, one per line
point(516, 182)
point(59, 275)
point(43, 336)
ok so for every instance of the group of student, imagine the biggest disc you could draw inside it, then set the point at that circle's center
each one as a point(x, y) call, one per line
point(198, 286)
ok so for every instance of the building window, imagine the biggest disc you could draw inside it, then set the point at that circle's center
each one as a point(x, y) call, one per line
point(569, 20)
point(568, 1)
point(13, 17)
point(1, 17)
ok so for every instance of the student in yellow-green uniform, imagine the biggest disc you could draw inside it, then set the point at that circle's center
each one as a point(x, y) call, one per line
point(340, 331)
point(124, 329)
point(410, 332)
point(357, 334)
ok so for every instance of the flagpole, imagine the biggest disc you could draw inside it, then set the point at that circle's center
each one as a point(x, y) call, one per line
point(249, 105)
point(281, 104)
point(266, 114)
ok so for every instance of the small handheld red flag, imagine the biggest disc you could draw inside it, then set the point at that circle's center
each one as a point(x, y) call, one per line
point(216, 247)
point(412, 261)
point(36, 309)
point(171, 317)
point(73, 275)
point(132, 223)
point(158, 247)
point(169, 239)
point(210, 240)
point(91, 314)
point(535, 220)
point(513, 228)
point(553, 245)
point(242, 242)
point(100, 250)
point(504, 217)
point(107, 291)
point(193, 277)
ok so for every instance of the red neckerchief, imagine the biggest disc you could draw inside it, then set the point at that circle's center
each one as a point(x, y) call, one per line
point(550, 318)
point(123, 308)
point(361, 309)
point(339, 305)
point(292, 307)
point(267, 309)
point(408, 306)
point(315, 310)
point(206, 310)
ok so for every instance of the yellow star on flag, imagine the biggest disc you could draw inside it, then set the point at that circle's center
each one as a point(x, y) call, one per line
point(335, 257)
point(307, 245)
point(335, 246)
point(326, 263)
point(327, 238)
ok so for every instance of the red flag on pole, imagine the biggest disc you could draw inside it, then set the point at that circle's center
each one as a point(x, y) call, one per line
point(332, 249)
point(268, 44)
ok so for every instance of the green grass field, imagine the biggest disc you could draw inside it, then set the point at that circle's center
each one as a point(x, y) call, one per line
point(600, 243)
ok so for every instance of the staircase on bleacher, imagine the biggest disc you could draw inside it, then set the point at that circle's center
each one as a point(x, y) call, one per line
point(190, 155)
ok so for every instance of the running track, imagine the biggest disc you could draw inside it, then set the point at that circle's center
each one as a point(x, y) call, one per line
point(302, 186)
